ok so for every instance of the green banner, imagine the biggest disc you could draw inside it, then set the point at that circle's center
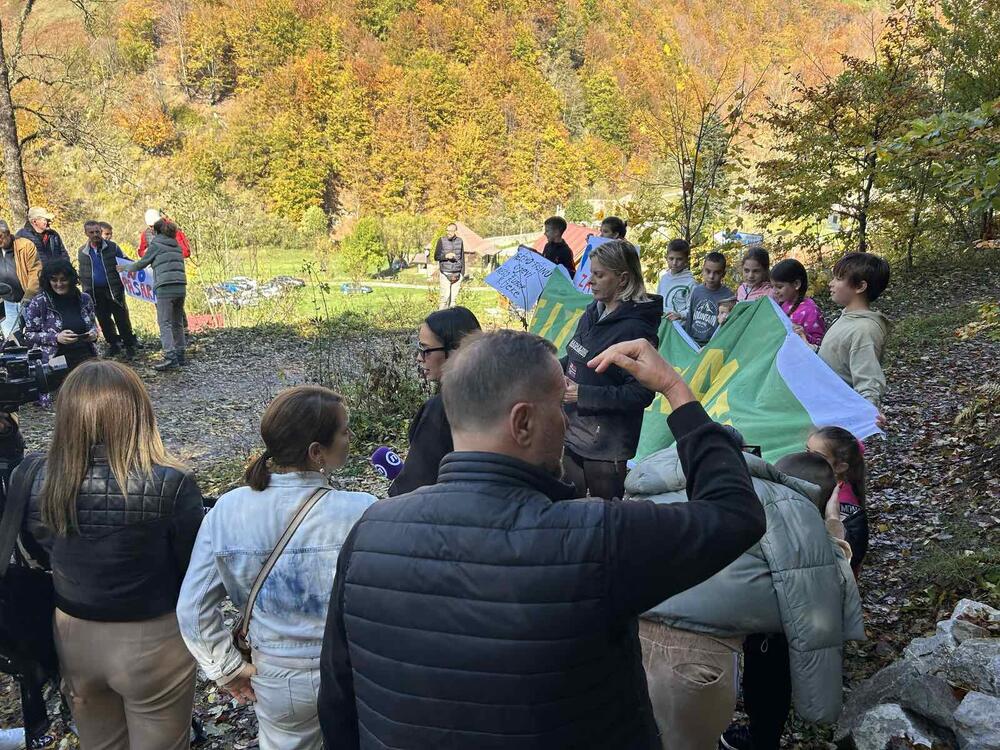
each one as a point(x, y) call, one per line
point(558, 310)
point(737, 380)
point(754, 374)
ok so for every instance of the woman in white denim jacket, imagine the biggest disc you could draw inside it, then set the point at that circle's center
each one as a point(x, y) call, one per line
point(306, 433)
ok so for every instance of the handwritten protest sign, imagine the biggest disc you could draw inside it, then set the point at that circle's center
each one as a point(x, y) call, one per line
point(522, 278)
point(139, 284)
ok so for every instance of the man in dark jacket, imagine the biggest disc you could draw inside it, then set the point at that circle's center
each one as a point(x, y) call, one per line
point(481, 612)
point(97, 259)
point(46, 240)
point(450, 255)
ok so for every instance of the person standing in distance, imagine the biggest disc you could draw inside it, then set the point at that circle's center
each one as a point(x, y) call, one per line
point(483, 612)
point(97, 259)
point(170, 285)
point(450, 256)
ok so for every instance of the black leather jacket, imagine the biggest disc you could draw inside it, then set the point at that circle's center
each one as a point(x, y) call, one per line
point(127, 559)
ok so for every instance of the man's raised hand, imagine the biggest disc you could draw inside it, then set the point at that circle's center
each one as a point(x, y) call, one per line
point(644, 363)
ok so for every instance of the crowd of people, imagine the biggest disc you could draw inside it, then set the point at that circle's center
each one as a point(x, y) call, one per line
point(62, 307)
point(520, 587)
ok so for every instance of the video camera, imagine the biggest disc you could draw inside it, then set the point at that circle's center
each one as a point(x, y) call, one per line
point(23, 375)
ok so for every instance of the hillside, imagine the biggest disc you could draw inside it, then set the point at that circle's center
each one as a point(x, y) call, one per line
point(497, 112)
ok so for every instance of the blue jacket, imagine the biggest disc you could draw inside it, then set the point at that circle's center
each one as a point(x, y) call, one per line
point(237, 536)
point(489, 611)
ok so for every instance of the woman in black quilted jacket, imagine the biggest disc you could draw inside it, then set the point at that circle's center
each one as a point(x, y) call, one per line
point(115, 517)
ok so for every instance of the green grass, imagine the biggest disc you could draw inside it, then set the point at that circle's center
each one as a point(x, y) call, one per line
point(321, 299)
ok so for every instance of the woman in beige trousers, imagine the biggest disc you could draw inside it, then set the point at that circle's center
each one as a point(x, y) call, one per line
point(115, 517)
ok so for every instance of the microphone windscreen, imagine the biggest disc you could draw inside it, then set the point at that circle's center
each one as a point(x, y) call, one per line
point(387, 462)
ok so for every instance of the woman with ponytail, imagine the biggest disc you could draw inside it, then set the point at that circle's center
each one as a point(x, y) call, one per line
point(306, 437)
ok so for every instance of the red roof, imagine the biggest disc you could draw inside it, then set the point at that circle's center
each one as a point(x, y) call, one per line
point(575, 236)
point(472, 242)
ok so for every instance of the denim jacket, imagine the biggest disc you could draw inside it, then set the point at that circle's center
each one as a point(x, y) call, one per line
point(236, 537)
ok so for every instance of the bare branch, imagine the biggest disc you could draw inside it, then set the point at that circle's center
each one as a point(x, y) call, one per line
point(19, 36)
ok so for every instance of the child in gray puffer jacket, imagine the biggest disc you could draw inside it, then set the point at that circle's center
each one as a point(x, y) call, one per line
point(796, 582)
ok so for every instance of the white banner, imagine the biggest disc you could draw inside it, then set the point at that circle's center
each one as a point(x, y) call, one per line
point(522, 278)
point(139, 284)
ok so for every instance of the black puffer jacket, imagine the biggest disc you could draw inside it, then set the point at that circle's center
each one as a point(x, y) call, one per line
point(128, 558)
point(605, 422)
point(430, 441)
point(477, 613)
point(49, 248)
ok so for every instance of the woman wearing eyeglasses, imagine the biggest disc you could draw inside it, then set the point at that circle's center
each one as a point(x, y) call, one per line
point(430, 434)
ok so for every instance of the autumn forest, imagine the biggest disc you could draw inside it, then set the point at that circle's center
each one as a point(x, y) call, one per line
point(829, 124)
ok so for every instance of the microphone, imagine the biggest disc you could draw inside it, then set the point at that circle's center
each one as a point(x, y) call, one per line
point(387, 462)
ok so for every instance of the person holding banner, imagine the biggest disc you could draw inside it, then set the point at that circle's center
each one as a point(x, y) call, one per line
point(604, 410)
point(170, 284)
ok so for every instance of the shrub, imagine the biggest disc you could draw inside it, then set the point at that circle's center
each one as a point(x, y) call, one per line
point(363, 251)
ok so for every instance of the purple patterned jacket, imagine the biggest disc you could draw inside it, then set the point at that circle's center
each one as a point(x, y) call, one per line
point(42, 322)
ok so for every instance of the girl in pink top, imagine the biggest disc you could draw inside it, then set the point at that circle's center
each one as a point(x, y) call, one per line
point(756, 278)
point(846, 456)
point(790, 281)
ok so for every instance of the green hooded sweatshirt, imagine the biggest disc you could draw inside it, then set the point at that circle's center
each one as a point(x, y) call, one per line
point(853, 348)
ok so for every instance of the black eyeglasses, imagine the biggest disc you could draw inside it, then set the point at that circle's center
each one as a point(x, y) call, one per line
point(422, 352)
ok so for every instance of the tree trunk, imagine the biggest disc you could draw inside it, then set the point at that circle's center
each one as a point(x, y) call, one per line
point(917, 211)
point(866, 200)
point(13, 172)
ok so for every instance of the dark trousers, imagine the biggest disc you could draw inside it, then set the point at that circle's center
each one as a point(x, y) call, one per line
point(113, 316)
point(767, 688)
point(33, 708)
point(604, 479)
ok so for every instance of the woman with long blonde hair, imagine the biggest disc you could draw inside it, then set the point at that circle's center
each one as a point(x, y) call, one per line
point(604, 410)
point(115, 516)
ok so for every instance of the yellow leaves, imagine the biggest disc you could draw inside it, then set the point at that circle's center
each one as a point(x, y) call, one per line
point(147, 126)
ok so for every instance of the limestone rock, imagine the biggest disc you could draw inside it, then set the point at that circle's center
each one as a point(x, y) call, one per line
point(977, 722)
point(888, 722)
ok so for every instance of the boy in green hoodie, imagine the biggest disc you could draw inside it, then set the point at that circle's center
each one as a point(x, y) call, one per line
point(854, 345)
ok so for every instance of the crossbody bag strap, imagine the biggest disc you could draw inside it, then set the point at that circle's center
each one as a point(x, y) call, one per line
point(286, 537)
point(18, 497)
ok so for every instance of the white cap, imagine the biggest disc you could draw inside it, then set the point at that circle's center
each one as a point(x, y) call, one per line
point(152, 216)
